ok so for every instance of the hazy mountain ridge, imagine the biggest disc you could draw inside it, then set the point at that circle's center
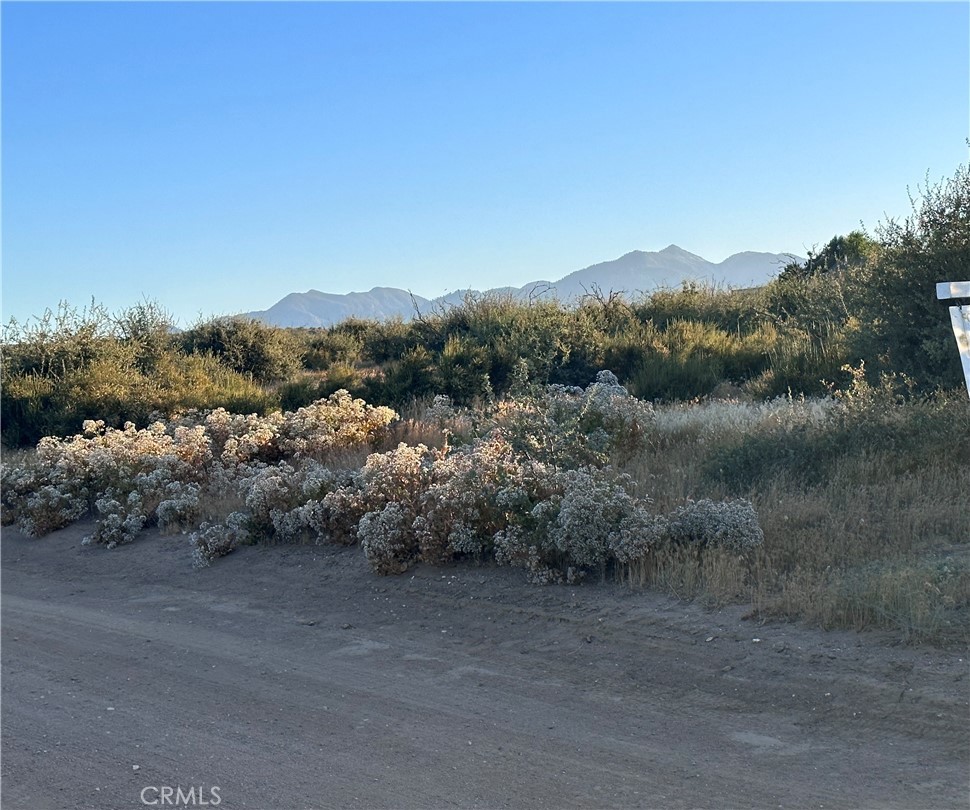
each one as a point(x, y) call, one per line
point(633, 273)
point(315, 308)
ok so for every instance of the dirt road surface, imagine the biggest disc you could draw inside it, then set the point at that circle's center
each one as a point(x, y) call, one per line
point(285, 678)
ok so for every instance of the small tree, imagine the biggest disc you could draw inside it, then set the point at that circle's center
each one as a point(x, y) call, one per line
point(907, 331)
point(840, 254)
point(149, 329)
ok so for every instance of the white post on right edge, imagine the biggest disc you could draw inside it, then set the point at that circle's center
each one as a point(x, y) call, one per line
point(959, 319)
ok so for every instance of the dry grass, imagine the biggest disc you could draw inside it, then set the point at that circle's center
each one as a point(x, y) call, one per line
point(714, 576)
point(895, 553)
point(883, 540)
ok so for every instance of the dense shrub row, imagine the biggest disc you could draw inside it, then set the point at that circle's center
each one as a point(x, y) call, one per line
point(866, 302)
point(527, 483)
point(72, 366)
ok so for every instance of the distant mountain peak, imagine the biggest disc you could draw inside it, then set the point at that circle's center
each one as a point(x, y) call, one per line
point(636, 272)
point(675, 250)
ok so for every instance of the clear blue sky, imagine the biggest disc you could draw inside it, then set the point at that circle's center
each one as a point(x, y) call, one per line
point(215, 157)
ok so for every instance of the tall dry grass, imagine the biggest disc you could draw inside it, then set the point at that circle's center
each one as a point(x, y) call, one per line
point(865, 510)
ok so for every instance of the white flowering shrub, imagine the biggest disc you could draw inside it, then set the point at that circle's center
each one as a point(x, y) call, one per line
point(468, 499)
point(17, 483)
point(338, 422)
point(483, 499)
point(120, 475)
point(165, 473)
point(441, 411)
point(637, 535)
point(728, 524)
point(586, 518)
point(308, 519)
point(239, 438)
point(399, 476)
point(211, 541)
point(48, 509)
point(574, 427)
point(387, 538)
point(528, 485)
point(120, 520)
point(269, 490)
point(180, 506)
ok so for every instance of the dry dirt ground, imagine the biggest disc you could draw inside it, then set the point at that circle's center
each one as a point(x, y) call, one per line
point(292, 677)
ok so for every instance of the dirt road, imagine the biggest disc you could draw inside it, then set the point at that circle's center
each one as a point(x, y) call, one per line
point(285, 678)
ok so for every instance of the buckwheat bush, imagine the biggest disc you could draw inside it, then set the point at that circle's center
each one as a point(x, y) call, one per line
point(120, 521)
point(607, 406)
point(167, 472)
point(284, 501)
point(439, 503)
point(336, 422)
point(180, 506)
point(726, 524)
point(339, 421)
point(467, 499)
point(528, 485)
point(49, 508)
point(18, 481)
point(505, 495)
point(441, 411)
point(639, 533)
point(120, 475)
point(585, 519)
point(387, 538)
point(514, 546)
point(575, 427)
point(309, 520)
point(211, 541)
point(248, 437)
point(268, 491)
point(399, 476)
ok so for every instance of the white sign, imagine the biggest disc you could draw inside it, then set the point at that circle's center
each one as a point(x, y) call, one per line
point(959, 320)
point(953, 289)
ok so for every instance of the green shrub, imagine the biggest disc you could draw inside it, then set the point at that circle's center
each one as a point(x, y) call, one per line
point(406, 379)
point(462, 371)
point(908, 329)
point(339, 344)
point(267, 353)
point(115, 390)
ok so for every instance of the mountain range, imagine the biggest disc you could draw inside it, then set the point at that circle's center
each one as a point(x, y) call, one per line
point(633, 273)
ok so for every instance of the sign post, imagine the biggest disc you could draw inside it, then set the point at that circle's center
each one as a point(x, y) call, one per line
point(959, 319)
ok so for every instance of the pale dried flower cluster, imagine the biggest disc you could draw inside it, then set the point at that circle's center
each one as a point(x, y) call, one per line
point(165, 473)
point(574, 426)
point(530, 487)
point(211, 541)
point(728, 524)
